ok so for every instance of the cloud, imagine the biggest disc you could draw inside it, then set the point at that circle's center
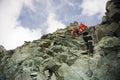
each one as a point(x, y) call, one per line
point(53, 23)
point(93, 7)
point(12, 34)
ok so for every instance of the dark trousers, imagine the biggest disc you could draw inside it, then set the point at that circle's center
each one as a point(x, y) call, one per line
point(90, 47)
point(88, 40)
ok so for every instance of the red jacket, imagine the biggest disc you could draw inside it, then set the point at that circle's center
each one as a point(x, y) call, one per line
point(82, 27)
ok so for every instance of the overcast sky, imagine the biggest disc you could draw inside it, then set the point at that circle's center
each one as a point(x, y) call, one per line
point(27, 20)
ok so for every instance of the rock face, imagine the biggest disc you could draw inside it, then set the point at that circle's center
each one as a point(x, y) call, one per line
point(60, 56)
point(110, 25)
point(59, 52)
point(2, 49)
point(65, 57)
point(108, 66)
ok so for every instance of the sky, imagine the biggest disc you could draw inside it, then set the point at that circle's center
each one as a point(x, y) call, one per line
point(28, 20)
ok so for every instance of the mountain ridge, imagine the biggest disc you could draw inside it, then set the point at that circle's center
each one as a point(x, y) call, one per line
point(60, 56)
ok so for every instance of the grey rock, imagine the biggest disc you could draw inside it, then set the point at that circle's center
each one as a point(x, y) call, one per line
point(2, 48)
point(89, 73)
point(109, 63)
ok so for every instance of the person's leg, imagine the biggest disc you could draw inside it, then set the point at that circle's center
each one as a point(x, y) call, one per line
point(90, 53)
point(87, 44)
point(90, 47)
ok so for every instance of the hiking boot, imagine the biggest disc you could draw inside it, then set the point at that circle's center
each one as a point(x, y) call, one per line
point(90, 54)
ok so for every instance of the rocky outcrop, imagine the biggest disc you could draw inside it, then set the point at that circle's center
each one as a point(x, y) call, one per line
point(2, 49)
point(108, 66)
point(59, 52)
point(60, 56)
point(65, 58)
point(110, 25)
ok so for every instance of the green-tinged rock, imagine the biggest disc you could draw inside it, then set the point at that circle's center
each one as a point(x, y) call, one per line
point(61, 56)
point(108, 66)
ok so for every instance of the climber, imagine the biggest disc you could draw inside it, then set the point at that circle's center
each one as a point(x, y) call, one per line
point(87, 38)
point(75, 32)
point(82, 27)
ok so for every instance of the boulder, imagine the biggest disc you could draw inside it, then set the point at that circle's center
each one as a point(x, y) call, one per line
point(108, 67)
point(111, 29)
point(113, 10)
point(2, 49)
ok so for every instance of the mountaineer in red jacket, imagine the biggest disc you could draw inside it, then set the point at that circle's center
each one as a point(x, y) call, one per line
point(75, 32)
point(82, 27)
point(87, 38)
